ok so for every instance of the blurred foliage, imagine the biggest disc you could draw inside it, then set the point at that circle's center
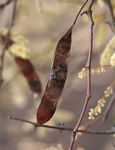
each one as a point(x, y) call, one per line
point(43, 22)
point(108, 53)
point(58, 147)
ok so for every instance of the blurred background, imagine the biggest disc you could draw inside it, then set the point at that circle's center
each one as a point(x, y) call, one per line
point(43, 23)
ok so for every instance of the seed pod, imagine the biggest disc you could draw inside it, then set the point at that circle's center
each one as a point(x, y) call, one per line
point(29, 73)
point(57, 80)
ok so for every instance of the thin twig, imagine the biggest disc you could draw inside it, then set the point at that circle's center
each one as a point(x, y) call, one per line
point(13, 16)
point(7, 42)
point(88, 65)
point(2, 6)
point(108, 109)
point(107, 132)
point(79, 14)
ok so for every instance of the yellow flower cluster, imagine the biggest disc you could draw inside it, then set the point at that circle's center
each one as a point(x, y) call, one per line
point(97, 110)
point(101, 102)
point(19, 50)
point(19, 47)
point(108, 91)
point(84, 72)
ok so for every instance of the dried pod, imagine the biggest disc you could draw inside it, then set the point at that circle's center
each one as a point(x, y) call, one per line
point(57, 80)
point(29, 73)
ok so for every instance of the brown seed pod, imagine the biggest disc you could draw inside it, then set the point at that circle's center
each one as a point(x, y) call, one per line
point(57, 80)
point(27, 69)
point(58, 76)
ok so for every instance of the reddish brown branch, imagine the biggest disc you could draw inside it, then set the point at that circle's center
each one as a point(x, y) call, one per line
point(88, 65)
point(78, 14)
point(35, 125)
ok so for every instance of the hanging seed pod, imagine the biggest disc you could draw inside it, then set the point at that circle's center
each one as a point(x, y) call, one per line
point(57, 80)
point(27, 69)
point(58, 76)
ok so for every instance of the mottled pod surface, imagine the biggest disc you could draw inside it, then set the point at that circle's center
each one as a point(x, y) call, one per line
point(57, 80)
point(27, 69)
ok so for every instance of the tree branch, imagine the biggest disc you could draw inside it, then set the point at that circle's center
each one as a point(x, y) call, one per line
point(7, 40)
point(35, 125)
point(88, 65)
